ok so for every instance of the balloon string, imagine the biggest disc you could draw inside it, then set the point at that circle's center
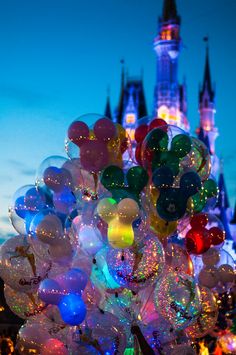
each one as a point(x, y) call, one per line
point(144, 346)
point(95, 178)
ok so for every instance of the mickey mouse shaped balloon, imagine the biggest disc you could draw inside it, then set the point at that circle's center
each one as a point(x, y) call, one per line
point(172, 201)
point(93, 145)
point(119, 218)
point(123, 185)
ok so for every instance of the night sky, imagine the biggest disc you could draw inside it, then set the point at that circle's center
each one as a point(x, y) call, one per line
point(59, 56)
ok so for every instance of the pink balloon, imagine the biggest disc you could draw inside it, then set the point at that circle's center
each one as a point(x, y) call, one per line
point(104, 129)
point(78, 133)
point(94, 156)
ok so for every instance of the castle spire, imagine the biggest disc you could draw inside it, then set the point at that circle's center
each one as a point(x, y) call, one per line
point(169, 13)
point(207, 132)
point(107, 112)
point(207, 85)
point(233, 220)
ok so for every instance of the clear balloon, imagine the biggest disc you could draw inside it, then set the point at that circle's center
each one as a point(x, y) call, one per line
point(20, 268)
point(177, 299)
point(136, 267)
point(26, 306)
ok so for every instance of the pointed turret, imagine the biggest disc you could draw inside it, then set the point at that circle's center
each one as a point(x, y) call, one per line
point(207, 84)
point(107, 112)
point(207, 132)
point(169, 14)
point(233, 220)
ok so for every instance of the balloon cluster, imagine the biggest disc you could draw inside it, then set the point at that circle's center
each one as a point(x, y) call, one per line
point(95, 267)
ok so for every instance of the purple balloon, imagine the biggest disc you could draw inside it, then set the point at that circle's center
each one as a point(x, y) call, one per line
point(94, 156)
point(104, 129)
point(73, 281)
point(50, 291)
point(64, 201)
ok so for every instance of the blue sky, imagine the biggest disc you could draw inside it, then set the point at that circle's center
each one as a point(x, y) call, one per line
point(59, 56)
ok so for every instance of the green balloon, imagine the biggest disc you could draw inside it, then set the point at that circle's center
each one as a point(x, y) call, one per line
point(168, 159)
point(181, 145)
point(210, 188)
point(157, 140)
point(137, 178)
point(199, 201)
point(112, 177)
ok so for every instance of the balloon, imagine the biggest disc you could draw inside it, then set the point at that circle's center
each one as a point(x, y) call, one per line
point(54, 347)
point(207, 318)
point(209, 277)
point(101, 333)
point(52, 176)
point(20, 268)
point(104, 129)
point(47, 228)
point(78, 132)
point(119, 218)
point(178, 260)
point(73, 281)
point(72, 309)
point(62, 253)
point(31, 338)
point(24, 305)
point(50, 291)
point(94, 156)
point(135, 267)
point(177, 299)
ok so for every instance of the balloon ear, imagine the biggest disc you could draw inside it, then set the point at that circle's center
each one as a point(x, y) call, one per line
point(112, 178)
point(163, 177)
point(190, 183)
point(137, 178)
point(157, 140)
point(107, 209)
point(181, 145)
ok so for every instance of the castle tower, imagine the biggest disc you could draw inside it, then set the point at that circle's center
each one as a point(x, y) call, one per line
point(169, 96)
point(207, 131)
point(107, 112)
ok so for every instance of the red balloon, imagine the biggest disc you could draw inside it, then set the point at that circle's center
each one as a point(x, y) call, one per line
point(217, 235)
point(94, 156)
point(158, 123)
point(197, 241)
point(138, 153)
point(104, 129)
point(140, 133)
point(200, 219)
point(78, 132)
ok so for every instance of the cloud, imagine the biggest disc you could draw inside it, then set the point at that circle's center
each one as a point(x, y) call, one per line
point(21, 168)
point(28, 172)
point(23, 96)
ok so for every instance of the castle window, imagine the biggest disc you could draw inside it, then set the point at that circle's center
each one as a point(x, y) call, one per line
point(130, 118)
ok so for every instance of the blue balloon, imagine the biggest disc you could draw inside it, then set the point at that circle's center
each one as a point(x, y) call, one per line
point(72, 309)
point(20, 207)
point(34, 200)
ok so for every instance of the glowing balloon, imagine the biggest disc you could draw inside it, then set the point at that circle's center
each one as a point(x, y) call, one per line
point(72, 309)
point(135, 267)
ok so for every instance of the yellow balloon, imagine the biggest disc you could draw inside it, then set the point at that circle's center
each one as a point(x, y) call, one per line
point(128, 210)
point(120, 235)
point(107, 209)
point(162, 228)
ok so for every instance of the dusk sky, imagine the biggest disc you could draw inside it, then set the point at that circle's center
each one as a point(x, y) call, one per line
point(59, 56)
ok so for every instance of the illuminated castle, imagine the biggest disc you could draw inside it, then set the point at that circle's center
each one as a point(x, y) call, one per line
point(170, 102)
